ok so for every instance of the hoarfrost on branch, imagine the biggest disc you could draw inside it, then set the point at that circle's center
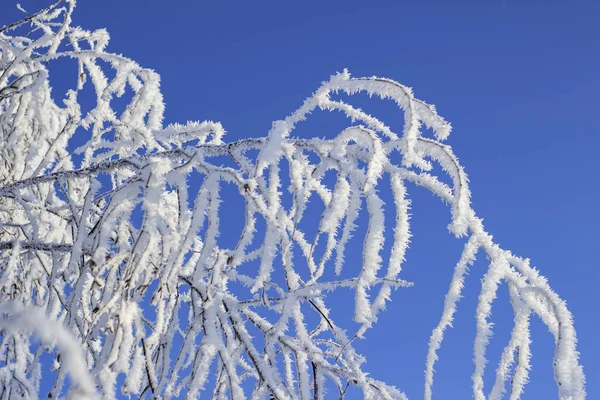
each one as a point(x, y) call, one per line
point(73, 259)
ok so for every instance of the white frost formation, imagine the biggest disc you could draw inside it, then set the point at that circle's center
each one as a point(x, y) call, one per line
point(88, 235)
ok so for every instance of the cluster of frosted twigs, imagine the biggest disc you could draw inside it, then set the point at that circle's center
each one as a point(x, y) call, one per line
point(92, 238)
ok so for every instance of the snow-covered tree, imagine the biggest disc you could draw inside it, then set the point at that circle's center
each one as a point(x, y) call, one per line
point(109, 227)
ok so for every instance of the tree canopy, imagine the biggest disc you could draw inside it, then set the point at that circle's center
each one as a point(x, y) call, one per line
point(114, 244)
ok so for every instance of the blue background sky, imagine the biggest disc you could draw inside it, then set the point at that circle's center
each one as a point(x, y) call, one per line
point(520, 85)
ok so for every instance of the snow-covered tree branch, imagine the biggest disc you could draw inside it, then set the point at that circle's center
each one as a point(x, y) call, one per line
point(92, 238)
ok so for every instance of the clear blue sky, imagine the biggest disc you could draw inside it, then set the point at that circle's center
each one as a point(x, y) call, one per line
point(520, 85)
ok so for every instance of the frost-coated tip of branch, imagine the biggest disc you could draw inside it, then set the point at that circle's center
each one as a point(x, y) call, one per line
point(452, 296)
point(31, 17)
point(519, 343)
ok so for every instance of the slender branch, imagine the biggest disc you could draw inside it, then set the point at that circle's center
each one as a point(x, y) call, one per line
point(28, 245)
point(30, 18)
